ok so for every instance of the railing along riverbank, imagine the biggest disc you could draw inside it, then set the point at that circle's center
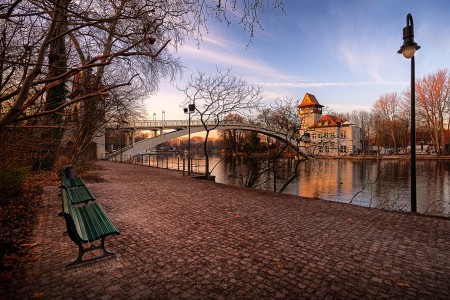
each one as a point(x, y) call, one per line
point(176, 163)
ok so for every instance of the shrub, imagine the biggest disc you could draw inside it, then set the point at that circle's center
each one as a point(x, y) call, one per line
point(11, 178)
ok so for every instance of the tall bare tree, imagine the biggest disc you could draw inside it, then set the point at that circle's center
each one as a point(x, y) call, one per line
point(433, 104)
point(113, 48)
point(282, 117)
point(386, 111)
point(233, 139)
point(218, 95)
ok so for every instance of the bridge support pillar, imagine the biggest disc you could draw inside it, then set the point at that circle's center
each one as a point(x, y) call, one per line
point(127, 139)
point(133, 136)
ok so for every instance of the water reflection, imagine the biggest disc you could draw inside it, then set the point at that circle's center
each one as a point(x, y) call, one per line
point(373, 183)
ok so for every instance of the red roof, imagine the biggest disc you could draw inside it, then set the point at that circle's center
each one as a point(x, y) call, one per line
point(310, 100)
point(328, 121)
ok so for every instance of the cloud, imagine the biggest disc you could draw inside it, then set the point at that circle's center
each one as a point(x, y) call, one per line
point(326, 84)
point(222, 55)
point(363, 58)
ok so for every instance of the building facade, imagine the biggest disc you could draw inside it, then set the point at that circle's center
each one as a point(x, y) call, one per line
point(327, 135)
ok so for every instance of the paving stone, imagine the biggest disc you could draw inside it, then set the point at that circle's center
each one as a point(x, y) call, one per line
point(187, 238)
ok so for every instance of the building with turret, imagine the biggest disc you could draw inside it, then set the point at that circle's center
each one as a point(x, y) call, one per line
point(327, 134)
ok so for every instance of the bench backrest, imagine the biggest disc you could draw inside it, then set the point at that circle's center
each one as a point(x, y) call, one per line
point(67, 207)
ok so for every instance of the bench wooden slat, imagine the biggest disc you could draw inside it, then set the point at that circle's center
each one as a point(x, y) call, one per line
point(103, 223)
point(71, 182)
point(79, 226)
point(91, 229)
point(80, 194)
point(76, 181)
point(91, 222)
point(65, 201)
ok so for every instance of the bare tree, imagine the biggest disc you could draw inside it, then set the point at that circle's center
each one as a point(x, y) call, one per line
point(282, 117)
point(218, 95)
point(433, 104)
point(386, 111)
point(133, 34)
point(113, 48)
point(233, 139)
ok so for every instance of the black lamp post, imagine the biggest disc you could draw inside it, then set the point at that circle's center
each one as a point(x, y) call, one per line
point(408, 49)
point(163, 121)
point(189, 110)
point(122, 125)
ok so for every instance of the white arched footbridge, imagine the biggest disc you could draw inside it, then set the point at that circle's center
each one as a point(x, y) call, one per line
point(181, 128)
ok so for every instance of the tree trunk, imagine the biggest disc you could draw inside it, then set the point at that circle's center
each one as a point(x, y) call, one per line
point(205, 144)
point(57, 60)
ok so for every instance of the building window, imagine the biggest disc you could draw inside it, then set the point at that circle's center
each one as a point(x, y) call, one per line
point(343, 134)
point(326, 135)
point(320, 135)
point(320, 149)
point(313, 136)
point(332, 135)
point(327, 149)
point(343, 148)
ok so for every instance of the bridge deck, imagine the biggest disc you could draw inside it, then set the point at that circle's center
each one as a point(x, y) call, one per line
point(186, 238)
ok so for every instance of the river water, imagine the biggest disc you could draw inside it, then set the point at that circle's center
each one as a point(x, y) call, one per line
point(372, 183)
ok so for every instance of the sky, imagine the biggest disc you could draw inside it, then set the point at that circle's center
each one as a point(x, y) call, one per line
point(342, 51)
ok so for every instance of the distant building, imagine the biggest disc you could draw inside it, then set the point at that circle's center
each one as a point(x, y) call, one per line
point(328, 135)
point(425, 145)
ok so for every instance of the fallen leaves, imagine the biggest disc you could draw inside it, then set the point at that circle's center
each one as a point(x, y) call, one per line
point(17, 220)
point(403, 284)
point(37, 295)
point(29, 245)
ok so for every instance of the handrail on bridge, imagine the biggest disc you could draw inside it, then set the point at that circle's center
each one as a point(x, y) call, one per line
point(173, 123)
point(194, 123)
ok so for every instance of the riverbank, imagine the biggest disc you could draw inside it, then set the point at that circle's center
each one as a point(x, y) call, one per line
point(187, 238)
point(393, 157)
point(360, 156)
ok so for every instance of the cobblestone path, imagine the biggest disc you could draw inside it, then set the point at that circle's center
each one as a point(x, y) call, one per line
point(183, 238)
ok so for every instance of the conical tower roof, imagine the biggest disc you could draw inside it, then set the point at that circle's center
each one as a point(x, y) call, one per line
point(310, 101)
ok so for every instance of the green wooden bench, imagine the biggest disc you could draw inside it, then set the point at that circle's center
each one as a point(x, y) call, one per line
point(87, 224)
point(77, 190)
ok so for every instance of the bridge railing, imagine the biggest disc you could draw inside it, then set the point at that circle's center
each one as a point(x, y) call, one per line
point(196, 123)
point(161, 124)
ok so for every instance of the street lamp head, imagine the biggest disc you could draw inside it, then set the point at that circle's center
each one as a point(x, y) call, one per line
point(409, 47)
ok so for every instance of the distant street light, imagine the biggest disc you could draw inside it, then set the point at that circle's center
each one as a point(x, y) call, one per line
point(121, 126)
point(154, 116)
point(408, 49)
point(189, 110)
point(163, 119)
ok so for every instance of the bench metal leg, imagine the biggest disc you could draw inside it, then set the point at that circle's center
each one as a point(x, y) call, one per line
point(82, 251)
